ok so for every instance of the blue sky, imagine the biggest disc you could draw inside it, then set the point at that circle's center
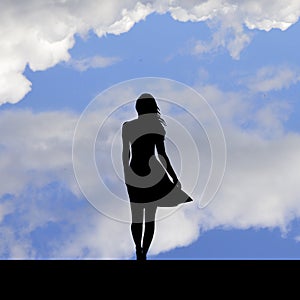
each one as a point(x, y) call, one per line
point(242, 58)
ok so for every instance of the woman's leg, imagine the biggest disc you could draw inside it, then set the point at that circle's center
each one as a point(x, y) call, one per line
point(150, 212)
point(137, 211)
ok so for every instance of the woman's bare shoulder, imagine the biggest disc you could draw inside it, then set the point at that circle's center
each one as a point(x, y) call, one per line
point(128, 126)
point(129, 123)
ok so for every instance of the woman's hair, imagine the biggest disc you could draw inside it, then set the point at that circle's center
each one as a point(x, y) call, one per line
point(146, 104)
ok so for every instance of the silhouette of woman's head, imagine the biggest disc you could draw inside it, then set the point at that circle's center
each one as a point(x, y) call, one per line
point(146, 104)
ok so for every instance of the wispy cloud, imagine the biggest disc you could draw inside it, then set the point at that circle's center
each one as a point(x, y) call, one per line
point(272, 78)
point(227, 35)
point(93, 62)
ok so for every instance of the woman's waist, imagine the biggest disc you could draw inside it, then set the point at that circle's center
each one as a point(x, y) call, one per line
point(145, 164)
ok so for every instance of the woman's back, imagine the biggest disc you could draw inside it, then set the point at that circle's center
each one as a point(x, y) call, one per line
point(143, 133)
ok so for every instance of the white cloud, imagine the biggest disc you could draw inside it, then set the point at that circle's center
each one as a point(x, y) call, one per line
point(14, 247)
point(96, 237)
point(262, 15)
point(40, 34)
point(228, 19)
point(261, 186)
point(29, 34)
point(36, 151)
point(272, 78)
point(35, 148)
point(93, 62)
point(5, 208)
point(227, 33)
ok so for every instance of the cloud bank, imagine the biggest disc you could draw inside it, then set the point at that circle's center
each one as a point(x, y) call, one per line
point(31, 36)
point(40, 196)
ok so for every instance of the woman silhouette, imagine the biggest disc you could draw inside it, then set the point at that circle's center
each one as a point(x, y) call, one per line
point(147, 178)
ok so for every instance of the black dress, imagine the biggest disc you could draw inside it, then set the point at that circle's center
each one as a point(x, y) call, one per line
point(148, 181)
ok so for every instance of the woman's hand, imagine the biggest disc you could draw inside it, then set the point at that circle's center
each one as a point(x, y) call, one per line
point(160, 146)
point(177, 183)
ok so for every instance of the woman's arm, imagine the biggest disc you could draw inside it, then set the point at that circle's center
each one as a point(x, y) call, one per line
point(160, 147)
point(125, 150)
